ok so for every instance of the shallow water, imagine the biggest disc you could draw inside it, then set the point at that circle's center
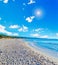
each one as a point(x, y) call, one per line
point(48, 46)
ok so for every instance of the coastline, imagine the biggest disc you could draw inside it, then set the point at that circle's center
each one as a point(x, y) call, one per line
point(22, 50)
point(39, 51)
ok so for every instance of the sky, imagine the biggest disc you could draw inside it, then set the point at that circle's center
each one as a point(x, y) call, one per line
point(29, 18)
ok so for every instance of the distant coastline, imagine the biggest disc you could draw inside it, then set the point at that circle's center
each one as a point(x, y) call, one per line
point(8, 36)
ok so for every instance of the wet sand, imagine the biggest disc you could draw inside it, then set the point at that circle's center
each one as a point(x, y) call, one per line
point(18, 52)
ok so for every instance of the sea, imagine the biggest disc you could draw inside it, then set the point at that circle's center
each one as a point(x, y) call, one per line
point(48, 46)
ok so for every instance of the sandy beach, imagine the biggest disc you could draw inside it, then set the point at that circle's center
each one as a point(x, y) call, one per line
point(18, 52)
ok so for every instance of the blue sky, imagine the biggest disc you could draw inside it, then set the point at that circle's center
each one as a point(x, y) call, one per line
point(29, 18)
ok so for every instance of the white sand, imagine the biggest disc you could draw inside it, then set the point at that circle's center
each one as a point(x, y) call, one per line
point(18, 52)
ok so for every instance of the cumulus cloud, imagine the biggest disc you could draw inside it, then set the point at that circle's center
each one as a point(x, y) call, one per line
point(5, 1)
point(30, 19)
point(23, 29)
point(31, 2)
point(11, 34)
point(8, 33)
point(4, 31)
point(13, 26)
point(39, 36)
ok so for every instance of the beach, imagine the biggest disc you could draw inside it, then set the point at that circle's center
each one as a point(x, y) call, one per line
point(18, 52)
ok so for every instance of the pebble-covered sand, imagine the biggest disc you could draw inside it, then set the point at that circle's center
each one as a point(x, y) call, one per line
point(16, 52)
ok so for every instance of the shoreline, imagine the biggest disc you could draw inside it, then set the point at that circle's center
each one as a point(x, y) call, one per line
point(39, 51)
point(20, 50)
point(44, 50)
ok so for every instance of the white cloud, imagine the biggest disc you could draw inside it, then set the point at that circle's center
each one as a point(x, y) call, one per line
point(31, 2)
point(39, 36)
point(38, 29)
point(23, 29)
point(5, 1)
point(30, 19)
point(11, 34)
point(8, 33)
point(44, 36)
point(56, 34)
point(15, 34)
point(20, 29)
point(2, 28)
point(35, 35)
point(4, 31)
point(13, 26)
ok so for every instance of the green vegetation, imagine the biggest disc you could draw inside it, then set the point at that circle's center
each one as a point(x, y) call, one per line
point(6, 36)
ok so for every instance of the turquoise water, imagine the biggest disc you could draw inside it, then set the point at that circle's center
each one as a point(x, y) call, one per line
point(52, 46)
point(48, 46)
